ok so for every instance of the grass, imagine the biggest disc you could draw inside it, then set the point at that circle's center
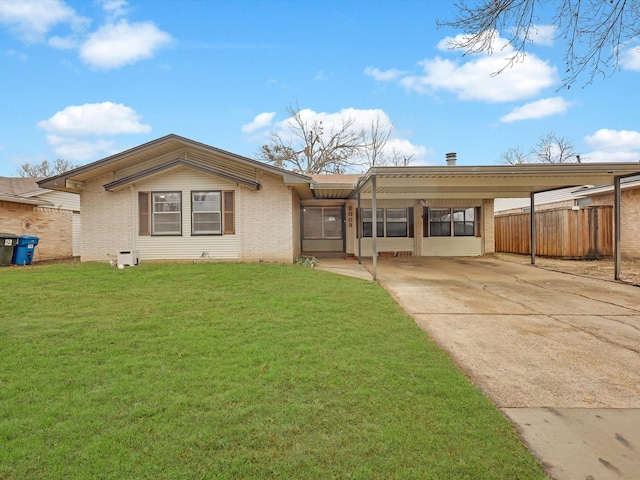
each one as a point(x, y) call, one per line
point(218, 370)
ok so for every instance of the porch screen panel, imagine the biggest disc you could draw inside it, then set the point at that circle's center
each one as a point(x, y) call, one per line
point(332, 222)
point(323, 223)
point(312, 222)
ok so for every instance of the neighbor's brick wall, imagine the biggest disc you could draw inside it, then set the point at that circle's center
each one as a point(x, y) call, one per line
point(107, 221)
point(265, 221)
point(488, 229)
point(52, 226)
point(630, 231)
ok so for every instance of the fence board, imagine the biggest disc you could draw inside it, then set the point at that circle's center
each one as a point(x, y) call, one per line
point(560, 232)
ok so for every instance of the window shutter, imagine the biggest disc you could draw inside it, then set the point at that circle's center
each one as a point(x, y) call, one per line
point(478, 212)
point(229, 212)
point(144, 213)
point(425, 221)
point(410, 220)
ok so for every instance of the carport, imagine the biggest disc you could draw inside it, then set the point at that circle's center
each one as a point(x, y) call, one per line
point(427, 183)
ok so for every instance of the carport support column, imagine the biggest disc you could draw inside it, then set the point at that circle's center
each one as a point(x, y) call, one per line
point(617, 230)
point(533, 228)
point(374, 228)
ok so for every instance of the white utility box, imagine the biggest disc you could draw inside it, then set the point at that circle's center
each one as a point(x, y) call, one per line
point(129, 258)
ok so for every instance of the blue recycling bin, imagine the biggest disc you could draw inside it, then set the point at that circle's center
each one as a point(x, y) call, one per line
point(23, 251)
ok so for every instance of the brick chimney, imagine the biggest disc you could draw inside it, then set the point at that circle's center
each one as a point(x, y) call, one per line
point(451, 159)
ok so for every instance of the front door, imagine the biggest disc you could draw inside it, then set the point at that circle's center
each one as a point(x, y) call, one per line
point(323, 228)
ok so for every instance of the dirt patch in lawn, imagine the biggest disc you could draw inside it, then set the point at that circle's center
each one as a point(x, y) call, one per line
point(602, 269)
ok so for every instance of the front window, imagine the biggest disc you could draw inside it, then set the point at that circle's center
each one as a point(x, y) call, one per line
point(206, 213)
point(463, 222)
point(440, 222)
point(166, 210)
point(457, 222)
point(367, 222)
point(397, 221)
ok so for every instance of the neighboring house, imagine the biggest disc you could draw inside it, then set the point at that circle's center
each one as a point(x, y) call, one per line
point(53, 216)
point(174, 198)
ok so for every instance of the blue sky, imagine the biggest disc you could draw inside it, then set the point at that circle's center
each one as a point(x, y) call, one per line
point(81, 80)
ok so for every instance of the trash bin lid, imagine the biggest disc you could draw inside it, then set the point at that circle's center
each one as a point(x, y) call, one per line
point(29, 237)
point(8, 235)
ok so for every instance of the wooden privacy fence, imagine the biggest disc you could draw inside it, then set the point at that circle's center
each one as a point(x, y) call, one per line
point(560, 232)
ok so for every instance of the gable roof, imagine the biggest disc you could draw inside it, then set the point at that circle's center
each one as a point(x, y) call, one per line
point(23, 190)
point(168, 152)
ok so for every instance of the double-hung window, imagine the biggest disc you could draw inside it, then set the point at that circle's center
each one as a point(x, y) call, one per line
point(367, 222)
point(206, 213)
point(166, 213)
point(391, 222)
point(457, 222)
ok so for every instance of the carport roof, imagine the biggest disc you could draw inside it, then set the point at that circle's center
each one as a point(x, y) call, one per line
point(485, 181)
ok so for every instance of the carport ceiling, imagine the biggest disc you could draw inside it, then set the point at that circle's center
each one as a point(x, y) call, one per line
point(486, 181)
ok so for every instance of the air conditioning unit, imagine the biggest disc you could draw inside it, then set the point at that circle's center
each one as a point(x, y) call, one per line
point(129, 258)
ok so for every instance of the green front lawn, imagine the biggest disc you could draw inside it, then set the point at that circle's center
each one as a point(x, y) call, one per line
point(211, 370)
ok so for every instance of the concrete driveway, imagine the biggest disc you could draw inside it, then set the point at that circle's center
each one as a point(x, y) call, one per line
point(559, 354)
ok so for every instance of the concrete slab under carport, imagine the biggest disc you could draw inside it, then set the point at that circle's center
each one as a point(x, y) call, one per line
point(558, 354)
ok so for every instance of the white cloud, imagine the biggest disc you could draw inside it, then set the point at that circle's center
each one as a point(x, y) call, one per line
point(77, 150)
point(543, 35)
point(123, 43)
point(105, 118)
point(362, 119)
point(613, 146)
point(538, 109)
point(611, 140)
point(630, 58)
point(475, 78)
point(63, 43)
point(76, 133)
point(115, 8)
point(261, 120)
point(383, 76)
point(32, 20)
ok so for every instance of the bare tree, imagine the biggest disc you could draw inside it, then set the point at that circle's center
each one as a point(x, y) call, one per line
point(376, 152)
point(554, 149)
point(375, 142)
point(312, 148)
point(515, 156)
point(550, 149)
point(45, 169)
point(593, 30)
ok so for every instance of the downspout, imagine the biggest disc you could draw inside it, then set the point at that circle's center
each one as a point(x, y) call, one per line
point(133, 217)
point(359, 230)
point(533, 228)
point(374, 228)
point(617, 230)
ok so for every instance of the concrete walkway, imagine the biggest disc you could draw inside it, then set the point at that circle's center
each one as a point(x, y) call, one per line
point(557, 353)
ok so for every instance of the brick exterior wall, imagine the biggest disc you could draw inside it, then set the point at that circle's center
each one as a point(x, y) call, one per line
point(52, 226)
point(266, 221)
point(488, 229)
point(106, 221)
point(630, 231)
